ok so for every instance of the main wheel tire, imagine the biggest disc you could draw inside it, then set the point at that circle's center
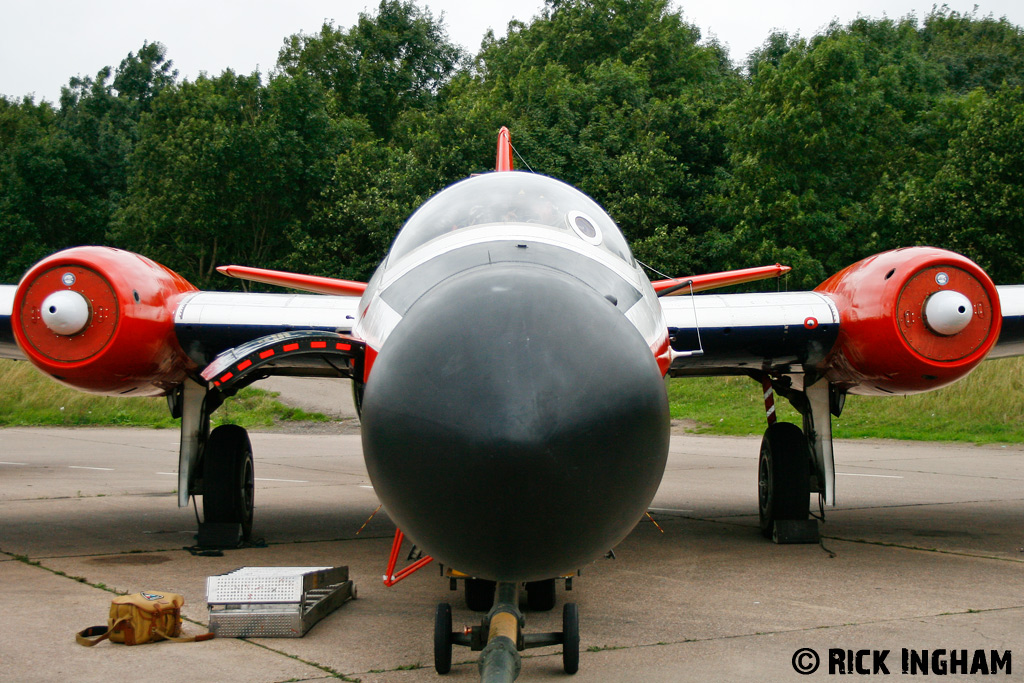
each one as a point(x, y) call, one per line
point(540, 595)
point(783, 476)
point(443, 638)
point(479, 594)
point(228, 478)
point(570, 638)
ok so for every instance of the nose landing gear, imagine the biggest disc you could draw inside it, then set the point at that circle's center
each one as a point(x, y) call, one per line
point(500, 638)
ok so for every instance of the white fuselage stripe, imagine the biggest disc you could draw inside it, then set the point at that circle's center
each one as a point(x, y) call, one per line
point(511, 232)
point(380, 319)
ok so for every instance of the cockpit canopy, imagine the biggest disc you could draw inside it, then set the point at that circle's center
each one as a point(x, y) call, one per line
point(511, 197)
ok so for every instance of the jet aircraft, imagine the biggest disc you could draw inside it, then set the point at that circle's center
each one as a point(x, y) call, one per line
point(508, 361)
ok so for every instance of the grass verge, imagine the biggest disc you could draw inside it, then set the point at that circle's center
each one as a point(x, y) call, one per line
point(985, 407)
point(29, 399)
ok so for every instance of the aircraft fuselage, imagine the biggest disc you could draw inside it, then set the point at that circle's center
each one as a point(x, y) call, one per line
point(515, 423)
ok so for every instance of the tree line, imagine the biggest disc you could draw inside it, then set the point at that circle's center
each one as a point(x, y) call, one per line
point(814, 152)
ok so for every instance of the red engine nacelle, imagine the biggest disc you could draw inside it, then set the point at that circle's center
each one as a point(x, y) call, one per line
point(102, 320)
point(911, 320)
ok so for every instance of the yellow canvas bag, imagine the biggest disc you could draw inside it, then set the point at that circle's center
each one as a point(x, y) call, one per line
point(141, 618)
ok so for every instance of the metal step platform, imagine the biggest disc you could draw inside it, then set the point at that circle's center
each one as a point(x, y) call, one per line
point(275, 602)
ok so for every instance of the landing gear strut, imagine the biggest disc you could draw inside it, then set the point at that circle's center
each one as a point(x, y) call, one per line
point(795, 463)
point(500, 637)
point(479, 594)
point(540, 595)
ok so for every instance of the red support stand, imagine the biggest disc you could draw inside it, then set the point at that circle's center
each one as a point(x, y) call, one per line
point(391, 578)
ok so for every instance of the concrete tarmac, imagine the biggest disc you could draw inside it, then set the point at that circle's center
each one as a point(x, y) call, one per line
point(924, 552)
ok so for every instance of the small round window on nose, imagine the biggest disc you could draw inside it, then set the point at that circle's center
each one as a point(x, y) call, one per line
point(586, 227)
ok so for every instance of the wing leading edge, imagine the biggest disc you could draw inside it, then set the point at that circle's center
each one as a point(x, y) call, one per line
point(208, 324)
point(8, 347)
point(904, 321)
point(735, 334)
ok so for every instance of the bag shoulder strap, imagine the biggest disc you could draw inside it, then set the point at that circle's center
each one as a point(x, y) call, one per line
point(96, 634)
point(184, 639)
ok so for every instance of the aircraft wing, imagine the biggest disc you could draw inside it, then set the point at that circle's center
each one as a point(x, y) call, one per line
point(208, 324)
point(849, 336)
point(111, 322)
point(8, 349)
point(733, 334)
point(901, 322)
point(1011, 337)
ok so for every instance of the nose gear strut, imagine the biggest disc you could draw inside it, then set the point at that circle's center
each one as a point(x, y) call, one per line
point(500, 638)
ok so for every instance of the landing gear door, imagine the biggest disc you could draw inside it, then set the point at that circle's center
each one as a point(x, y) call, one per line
point(194, 427)
point(818, 427)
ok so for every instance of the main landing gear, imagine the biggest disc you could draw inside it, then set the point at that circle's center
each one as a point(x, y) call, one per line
point(216, 464)
point(783, 479)
point(228, 480)
point(500, 637)
point(794, 462)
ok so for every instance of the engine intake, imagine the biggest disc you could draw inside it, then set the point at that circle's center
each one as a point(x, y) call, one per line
point(102, 320)
point(911, 320)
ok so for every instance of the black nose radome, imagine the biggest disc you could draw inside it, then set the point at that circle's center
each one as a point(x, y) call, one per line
point(515, 424)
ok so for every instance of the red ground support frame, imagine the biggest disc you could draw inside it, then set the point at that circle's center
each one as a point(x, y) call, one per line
point(390, 577)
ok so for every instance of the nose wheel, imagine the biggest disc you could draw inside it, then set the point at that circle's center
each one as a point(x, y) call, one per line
point(500, 638)
point(443, 638)
point(570, 638)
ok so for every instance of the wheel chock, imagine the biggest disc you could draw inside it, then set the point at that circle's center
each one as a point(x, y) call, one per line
point(219, 535)
point(788, 531)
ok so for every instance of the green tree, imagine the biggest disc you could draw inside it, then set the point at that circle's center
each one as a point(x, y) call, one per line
point(375, 188)
point(46, 201)
point(974, 52)
point(62, 172)
point(615, 97)
point(225, 170)
point(822, 128)
point(872, 135)
point(837, 139)
point(390, 62)
point(973, 203)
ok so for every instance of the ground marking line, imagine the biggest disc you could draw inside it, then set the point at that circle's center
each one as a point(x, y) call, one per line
point(879, 476)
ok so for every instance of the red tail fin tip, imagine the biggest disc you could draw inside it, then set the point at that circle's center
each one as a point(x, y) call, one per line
point(504, 151)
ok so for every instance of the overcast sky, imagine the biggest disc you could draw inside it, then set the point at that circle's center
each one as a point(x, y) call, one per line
point(43, 43)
